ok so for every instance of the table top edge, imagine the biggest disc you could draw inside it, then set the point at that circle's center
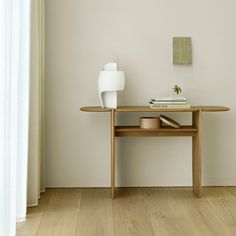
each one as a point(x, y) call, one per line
point(148, 109)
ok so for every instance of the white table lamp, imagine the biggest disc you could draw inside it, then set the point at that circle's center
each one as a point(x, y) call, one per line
point(109, 82)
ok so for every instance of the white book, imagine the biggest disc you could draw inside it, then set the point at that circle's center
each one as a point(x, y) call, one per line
point(168, 99)
point(168, 102)
point(177, 106)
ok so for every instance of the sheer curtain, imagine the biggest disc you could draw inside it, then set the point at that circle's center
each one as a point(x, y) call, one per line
point(36, 167)
point(21, 107)
point(14, 105)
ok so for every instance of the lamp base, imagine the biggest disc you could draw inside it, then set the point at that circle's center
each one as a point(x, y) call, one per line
point(109, 99)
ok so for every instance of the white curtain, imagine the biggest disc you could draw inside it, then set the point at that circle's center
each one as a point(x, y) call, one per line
point(21, 101)
point(14, 105)
point(36, 167)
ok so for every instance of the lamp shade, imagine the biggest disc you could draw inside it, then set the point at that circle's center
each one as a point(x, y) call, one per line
point(109, 82)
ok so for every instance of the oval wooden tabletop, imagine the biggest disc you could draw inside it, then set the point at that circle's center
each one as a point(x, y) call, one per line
point(214, 108)
point(148, 109)
point(95, 109)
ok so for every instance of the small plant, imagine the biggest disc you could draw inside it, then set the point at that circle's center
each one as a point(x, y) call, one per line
point(177, 89)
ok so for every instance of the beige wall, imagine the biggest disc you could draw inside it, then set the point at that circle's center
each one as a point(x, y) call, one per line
point(83, 35)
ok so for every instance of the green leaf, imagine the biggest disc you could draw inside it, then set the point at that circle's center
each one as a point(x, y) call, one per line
point(177, 89)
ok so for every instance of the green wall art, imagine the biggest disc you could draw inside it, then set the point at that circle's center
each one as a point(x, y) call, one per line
point(182, 51)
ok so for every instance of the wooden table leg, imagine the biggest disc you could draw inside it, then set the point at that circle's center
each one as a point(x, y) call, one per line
point(113, 160)
point(197, 154)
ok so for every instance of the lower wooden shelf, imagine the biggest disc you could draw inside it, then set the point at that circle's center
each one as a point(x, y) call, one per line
point(136, 131)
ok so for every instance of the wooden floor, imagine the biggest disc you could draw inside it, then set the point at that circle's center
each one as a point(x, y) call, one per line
point(135, 211)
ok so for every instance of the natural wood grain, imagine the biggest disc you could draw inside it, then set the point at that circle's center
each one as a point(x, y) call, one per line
point(224, 204)
point(137, 211)
point(197, 153)
point(200, 215)
point(113, 158)
point(121, 131)
point(232, 190)
point(63, 204)
point(130, 215)
point(63, 193)
point(33, 218)
point(30, 226)
point(166, 217)
point(41, 208)
point(135, 193)
point(95, 214)
point(160, 202)
point(95, 109)
point(58, 224)
point(148, 109)
point(171, 226)
point(170, 122)
point(61, 213)
point(213, 108)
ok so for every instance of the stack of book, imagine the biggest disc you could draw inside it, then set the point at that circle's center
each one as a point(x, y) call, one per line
point(169, 102)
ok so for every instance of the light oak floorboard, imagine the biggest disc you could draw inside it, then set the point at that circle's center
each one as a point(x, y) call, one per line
point(224, 203)
point(63, 205)
point(130, 214)
point(95, 214)
point(60, 218)
point(200, 215)
point(30, 226)
point(166, 217)
point(134, 211)
point(232, 190)
point(58, 224)
point(63, 193)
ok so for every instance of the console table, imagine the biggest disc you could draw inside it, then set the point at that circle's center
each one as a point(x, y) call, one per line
point(195, 131)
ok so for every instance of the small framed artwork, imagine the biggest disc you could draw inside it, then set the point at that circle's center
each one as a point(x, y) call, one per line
point(182, 51)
